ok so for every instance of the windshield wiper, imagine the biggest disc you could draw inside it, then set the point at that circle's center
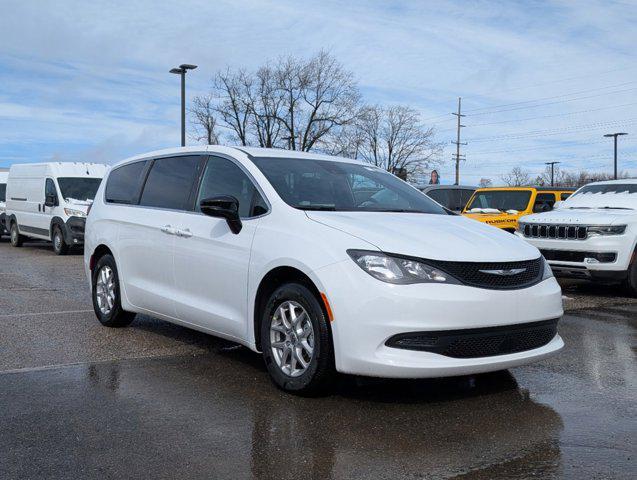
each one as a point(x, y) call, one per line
point(396, 210)
point(617, 208)
point(325, 208)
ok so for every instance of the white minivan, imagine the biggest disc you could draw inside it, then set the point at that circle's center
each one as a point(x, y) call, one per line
point(323, 264)
point(49, 201)
point(3, 194)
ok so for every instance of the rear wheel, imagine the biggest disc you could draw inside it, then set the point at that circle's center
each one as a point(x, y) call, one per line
point(60, 247)
point(106, 294)
point(296, 341)
point(16, 238)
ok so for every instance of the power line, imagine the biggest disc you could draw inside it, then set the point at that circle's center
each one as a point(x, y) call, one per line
point(552, 103)
point(541, 147)
point(565, 79)
point(552, 97)
point(590, 110)
point(558, 131)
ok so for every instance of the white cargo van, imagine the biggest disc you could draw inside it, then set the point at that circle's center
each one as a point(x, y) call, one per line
point(3, 190)
point(49, 201)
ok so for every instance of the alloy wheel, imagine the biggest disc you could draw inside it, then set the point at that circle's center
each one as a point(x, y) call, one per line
point(105, 290)
point(292, 338)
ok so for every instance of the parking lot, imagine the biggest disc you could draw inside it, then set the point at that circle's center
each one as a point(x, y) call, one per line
point(155, 400)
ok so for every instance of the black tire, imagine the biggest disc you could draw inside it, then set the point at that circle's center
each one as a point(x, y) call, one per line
point(16, 238)
point(320, 371)
point(60, 247)
point(631, 279)
point(116, 317)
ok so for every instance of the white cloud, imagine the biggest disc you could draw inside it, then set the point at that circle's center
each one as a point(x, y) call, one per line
point(91, 76)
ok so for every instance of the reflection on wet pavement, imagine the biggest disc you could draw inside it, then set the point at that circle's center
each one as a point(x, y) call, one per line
point(216, 415)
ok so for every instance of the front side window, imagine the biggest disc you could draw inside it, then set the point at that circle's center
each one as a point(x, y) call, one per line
point(49, 189)
point(223, 177)
point(310, 184)
point(170, 182)
point(543, 202)
point(78, 188)
point(441, 196)
point(502, 200)
point(125, 182)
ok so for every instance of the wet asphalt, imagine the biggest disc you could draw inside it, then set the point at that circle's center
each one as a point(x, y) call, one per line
point(154, 400)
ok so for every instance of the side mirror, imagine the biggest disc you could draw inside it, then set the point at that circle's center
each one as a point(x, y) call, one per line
point(223, 206)
point(50, 200)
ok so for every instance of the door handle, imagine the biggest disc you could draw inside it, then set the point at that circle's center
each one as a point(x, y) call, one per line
point(168, 229)
point(184, 233)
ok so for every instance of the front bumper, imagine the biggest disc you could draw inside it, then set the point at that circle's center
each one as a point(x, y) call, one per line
point(618, 246)
point(74, 230)
point(368, 312)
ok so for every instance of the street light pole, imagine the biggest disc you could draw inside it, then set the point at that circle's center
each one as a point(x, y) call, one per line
point(181, 70)
point(615, 135)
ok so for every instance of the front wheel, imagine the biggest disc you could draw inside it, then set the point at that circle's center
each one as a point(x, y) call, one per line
point(60, 247)
point(16, 238)
point(296, 342)
point(106, 294)
point(631, 280)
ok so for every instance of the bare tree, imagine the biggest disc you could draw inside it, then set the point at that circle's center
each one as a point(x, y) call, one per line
point(231, 90)
point(517, 177)
point(204, 121)
point(265, 105)
point(292, 103)
point(393, 138)
point(318, 95)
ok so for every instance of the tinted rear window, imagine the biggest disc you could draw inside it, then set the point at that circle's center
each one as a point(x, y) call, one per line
point(124, 183)
point(170, 182)
point(3, 192)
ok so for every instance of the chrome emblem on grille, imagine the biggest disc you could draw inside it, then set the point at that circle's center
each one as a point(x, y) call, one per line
point(505, 272)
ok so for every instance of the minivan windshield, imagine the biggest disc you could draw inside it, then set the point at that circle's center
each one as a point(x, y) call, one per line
point(310, 184)
point(502, 200)
point(3, 192)
point(78, 188)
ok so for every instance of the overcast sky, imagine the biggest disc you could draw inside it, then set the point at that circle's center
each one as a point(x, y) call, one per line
point(89, 80)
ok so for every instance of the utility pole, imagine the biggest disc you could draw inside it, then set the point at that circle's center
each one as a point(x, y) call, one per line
point(181, 70)
point(615, 135)
point(457, 155)
point(552, 164)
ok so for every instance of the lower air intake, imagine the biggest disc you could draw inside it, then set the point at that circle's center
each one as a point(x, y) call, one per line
point(479, 342)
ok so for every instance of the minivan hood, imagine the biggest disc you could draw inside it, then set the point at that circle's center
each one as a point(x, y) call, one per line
point(581, 216)
point(438, 237)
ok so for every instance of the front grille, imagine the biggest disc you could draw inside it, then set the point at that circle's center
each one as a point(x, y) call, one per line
point(479, 342)
point(560, 232)
point(495, 275)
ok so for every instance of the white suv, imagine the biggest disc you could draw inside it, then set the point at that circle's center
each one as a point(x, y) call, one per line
point(323, 264)
point(591, 235)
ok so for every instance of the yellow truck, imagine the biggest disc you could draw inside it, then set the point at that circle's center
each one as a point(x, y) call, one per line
point(503, 206)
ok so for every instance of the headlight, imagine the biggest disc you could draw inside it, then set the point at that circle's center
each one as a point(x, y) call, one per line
point(397, 270)
point(71, 212)
point(548, 271)
point(607, 230)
